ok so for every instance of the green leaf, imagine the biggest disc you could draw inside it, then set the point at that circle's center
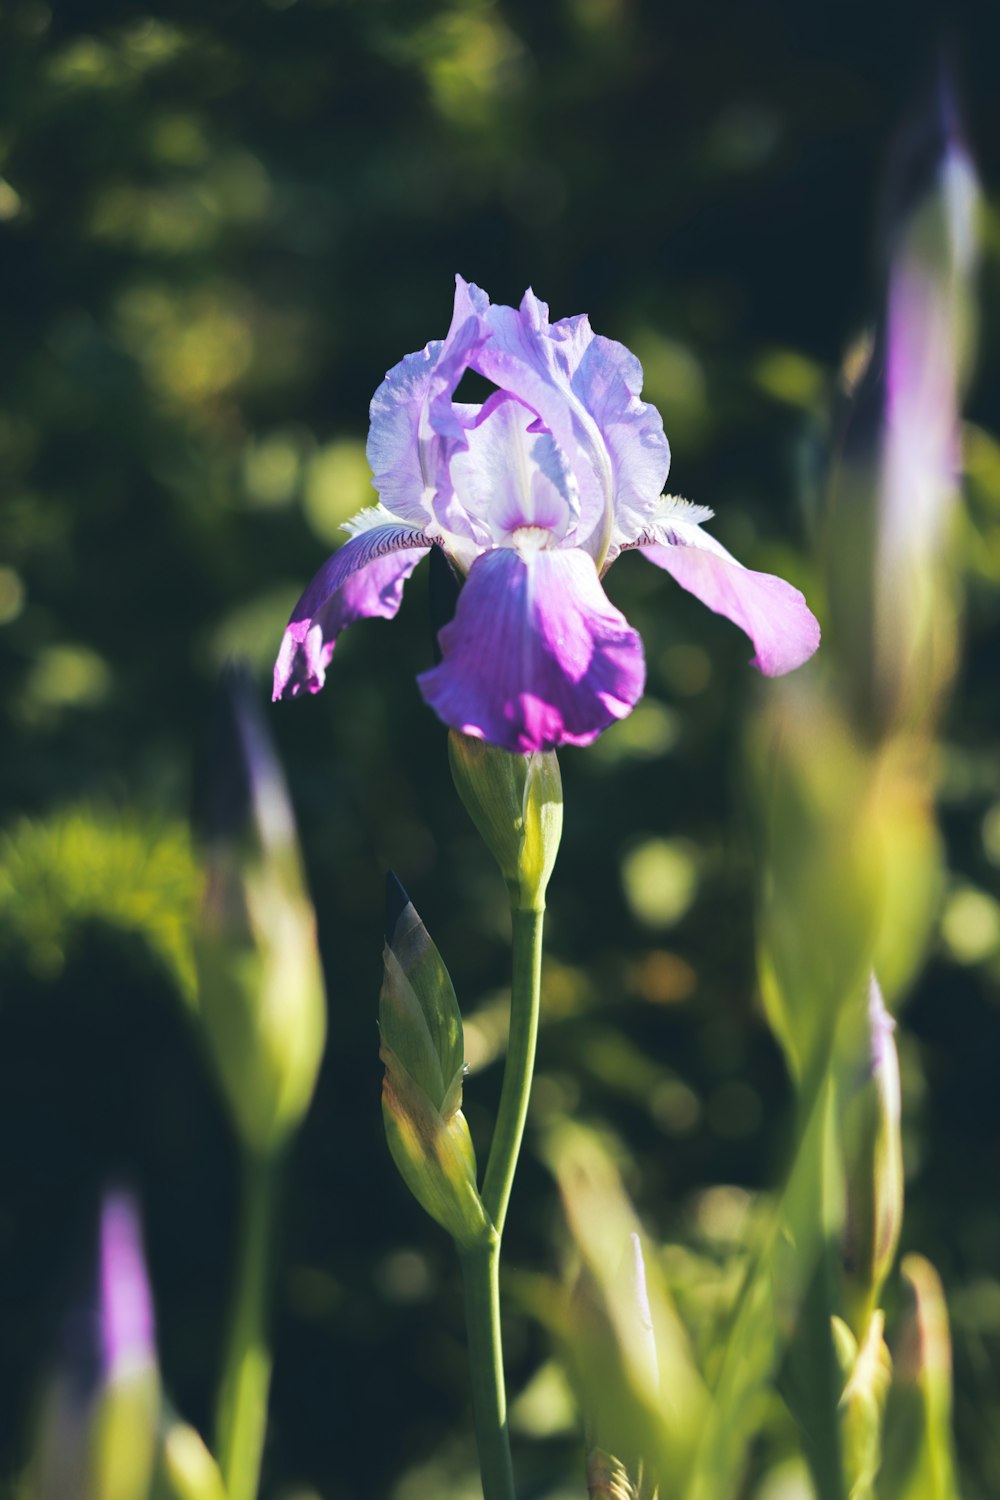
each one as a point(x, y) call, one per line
point(919, 1461)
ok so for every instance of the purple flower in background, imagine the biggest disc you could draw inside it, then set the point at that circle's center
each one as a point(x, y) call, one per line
point(98, 1417)
point(126, 1304)
point(927, 334)
point(531, 496)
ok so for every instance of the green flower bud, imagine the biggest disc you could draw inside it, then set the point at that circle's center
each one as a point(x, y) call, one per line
point(868, 1372)
point(515, 802)
point(607, 1479)
point(187, 1469)
point(424, 1055)
point(260, 984)
point(918, 1450)
point(821, 887)
point(873, 1158)
point(637, 1382)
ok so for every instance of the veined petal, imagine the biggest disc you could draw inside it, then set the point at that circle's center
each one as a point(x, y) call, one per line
point(522, 357)
point(774, 614)
point(586, 391)
point(364, 578)
point(414, 426)
point(512, 475)
point(537, 655)
point(608, 380)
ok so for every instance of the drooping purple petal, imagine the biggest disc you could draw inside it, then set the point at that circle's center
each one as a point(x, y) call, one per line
point(414, 425)
point(363, 579)
point(126, 1304)
point(775, 616)
point(537, 655)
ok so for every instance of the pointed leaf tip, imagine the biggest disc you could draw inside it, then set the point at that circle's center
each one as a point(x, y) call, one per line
point(396, 902)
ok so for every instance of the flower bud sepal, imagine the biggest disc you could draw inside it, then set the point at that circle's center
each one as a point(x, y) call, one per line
point(869, 1089)
point(422, 1047)
point(261, 998)
point(516, 804)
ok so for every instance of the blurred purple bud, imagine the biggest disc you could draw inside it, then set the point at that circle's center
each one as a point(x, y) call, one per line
point(930, 155)
point(97, 1421)
point(240, 783)
point(260, 985)
point(884, 1066)
point(927, 349)
point(127, 1332)
point(892, 586)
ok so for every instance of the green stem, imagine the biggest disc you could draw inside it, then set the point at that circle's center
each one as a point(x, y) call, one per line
point(481, 1265)
point(481, 1279)
point(525, 999)
point(755, 1341)
point(241, 1418)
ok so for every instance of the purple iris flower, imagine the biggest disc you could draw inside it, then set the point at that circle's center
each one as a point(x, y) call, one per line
point(531, 496)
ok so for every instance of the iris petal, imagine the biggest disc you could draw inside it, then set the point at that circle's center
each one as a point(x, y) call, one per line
point(512, 475)
point(537, 655)
point(363, 579)
point(608, 379)
point(560, 469)
point(414, 425)
point(775, 616)
point(586, 391)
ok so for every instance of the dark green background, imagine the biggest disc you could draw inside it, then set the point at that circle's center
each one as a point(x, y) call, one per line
point(221, 224)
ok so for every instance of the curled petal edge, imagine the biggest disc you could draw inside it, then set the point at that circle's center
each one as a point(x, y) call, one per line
point(537, 656)
point(364, 579)
point(774, 614)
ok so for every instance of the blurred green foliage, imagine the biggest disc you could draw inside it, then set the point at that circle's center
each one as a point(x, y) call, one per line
point(220, 224)
point(78, 866)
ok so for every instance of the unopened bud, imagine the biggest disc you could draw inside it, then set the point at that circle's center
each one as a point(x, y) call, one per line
point(918, 1448)
point(98, 1429)
point(260, 984)
point(424, 1055)
point(638, 1386)
point(821, 885)
point(607, 1478)
point(867, 1371)
point(928, 323)
point(642, 1338)
point(189, 1470)
point(515, 802)
point(874, 1162)
point(895, 622)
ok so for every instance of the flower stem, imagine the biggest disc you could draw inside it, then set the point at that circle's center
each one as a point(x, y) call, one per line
point(481, 1279)
point(524, 1006)
point(481, 1263)
point(241, 1418)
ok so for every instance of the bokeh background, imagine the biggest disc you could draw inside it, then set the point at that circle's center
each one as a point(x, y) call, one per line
point(221, 223)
